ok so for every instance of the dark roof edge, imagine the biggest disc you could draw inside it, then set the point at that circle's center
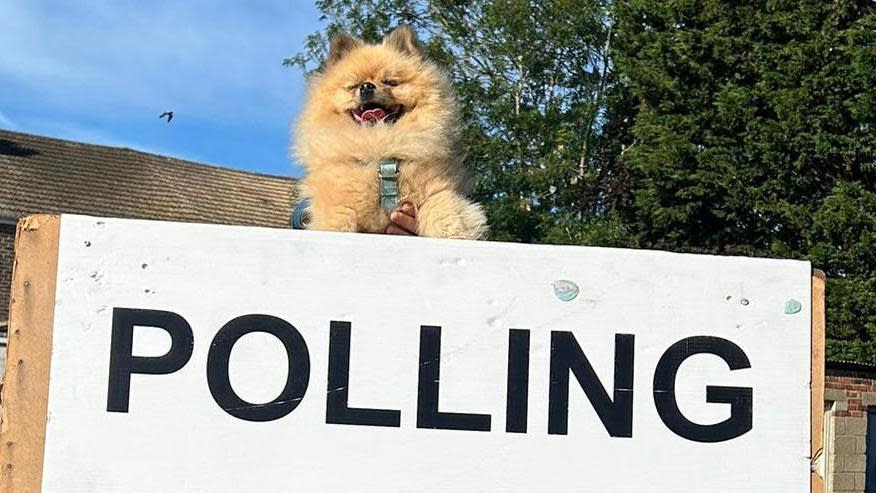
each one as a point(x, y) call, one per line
point(844, 365)
point(152, 154)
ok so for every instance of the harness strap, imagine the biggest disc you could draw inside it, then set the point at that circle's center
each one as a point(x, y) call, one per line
point(387, 173)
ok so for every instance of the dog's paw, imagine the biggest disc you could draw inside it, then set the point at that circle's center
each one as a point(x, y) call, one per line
point(449, 215)
point(334, 219)
point(471, 224)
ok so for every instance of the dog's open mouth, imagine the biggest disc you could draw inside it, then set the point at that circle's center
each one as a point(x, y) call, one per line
point(371, 113)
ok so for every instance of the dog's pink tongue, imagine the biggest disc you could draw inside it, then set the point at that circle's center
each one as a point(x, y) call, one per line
point(374, 115)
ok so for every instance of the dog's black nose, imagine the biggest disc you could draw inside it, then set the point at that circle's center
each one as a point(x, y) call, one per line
point(366, 90)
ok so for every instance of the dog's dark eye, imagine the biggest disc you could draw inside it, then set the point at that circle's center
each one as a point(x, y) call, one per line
point(390, 82)
point(354, 86)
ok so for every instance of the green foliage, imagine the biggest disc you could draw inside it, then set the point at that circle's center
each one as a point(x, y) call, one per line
point(749, 115)
point(843, 242)
point(744, 128)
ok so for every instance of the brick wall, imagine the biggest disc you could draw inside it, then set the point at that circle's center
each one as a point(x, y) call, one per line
point(7, 252)
point(852, 393)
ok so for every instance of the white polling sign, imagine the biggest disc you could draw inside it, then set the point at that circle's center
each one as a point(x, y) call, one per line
point(188, 357)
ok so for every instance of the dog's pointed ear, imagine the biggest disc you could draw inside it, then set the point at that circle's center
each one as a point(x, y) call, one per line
point(341, 45)
point(404, 40)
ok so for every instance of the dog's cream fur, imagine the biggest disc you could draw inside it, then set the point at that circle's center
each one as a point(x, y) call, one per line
point(341, 156)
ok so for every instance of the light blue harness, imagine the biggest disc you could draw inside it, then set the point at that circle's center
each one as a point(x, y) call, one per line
point(387, 191)
point(387, 173)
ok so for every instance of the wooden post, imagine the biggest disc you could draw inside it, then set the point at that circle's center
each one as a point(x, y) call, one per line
point(817, 377)
point(25, 388)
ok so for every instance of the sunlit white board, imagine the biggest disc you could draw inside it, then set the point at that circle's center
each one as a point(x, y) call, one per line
point(455, 365)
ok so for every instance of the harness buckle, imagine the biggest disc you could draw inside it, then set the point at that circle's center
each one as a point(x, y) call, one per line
point(387, 174)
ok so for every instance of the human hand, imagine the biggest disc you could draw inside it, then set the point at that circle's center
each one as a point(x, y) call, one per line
point(404, 221)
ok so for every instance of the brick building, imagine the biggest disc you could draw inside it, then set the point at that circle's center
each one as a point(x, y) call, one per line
point(849, 456)
point(40, 174)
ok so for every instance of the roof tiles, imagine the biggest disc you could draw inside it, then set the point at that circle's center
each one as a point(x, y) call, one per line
point(41, 174)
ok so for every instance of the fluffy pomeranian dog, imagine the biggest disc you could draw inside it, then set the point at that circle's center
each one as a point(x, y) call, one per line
point(371, 103)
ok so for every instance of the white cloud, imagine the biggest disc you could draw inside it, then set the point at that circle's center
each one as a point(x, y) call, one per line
point(6, 123)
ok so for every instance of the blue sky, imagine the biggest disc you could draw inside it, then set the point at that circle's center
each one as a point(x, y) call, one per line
point(102, 71)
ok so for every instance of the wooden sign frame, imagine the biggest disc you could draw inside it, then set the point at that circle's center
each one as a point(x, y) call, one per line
point(816, 411)
point(26, 380)
point(25, 392)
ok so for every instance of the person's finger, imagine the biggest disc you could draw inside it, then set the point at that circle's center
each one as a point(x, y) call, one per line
point(404, 220)
point(409, 209)
point(394, 229)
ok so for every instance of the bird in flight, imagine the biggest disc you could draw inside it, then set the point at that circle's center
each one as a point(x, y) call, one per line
point(168, 114)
